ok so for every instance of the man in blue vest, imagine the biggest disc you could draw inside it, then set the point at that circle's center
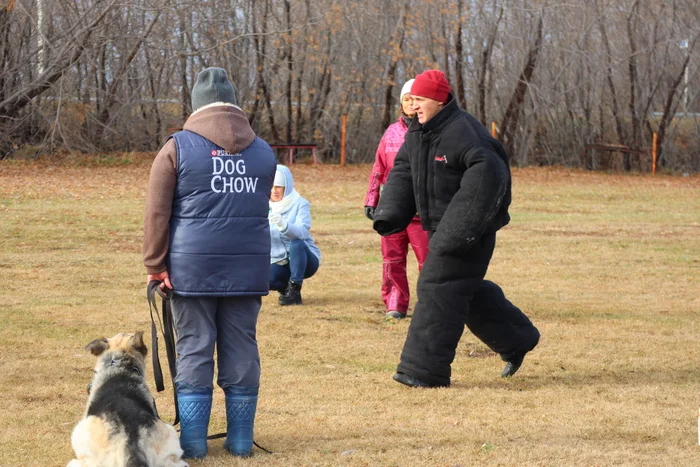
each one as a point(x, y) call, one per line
point(206, 237)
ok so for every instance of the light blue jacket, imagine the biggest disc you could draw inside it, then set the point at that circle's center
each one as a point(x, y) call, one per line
point(298, 218)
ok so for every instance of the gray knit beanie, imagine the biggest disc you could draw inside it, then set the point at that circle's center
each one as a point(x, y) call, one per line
point(211, 86)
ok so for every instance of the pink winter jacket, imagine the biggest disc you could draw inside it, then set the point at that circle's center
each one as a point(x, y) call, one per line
point(386, 152)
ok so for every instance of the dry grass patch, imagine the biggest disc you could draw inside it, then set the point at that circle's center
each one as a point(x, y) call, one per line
point(605, 265)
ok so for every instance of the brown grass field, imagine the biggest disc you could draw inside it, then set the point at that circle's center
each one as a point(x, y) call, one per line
point(606, 266)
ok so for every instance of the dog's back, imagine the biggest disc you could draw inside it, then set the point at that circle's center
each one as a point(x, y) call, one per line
point(126, 408)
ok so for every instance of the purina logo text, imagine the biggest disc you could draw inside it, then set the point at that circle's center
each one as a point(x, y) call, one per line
point(223, 153)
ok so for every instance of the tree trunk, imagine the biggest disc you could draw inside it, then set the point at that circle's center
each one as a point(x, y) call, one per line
point(318, 102)
point(155, 110)
point(260, 41)
point(4, 46)
point(396, 46)
point(510, 120)
point(298, 118)
point(633, 74)
point(609, 78)
point(459, 64)
point(486, 52)
point(668, 111)
point(185, 98)
point(290, 68)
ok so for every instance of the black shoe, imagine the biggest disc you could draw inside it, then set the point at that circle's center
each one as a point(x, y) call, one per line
point(512, 366)
point(291, 296)
point(413, 382)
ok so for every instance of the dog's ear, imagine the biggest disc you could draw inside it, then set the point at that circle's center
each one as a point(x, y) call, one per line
point(136, 342)
point(97, 346)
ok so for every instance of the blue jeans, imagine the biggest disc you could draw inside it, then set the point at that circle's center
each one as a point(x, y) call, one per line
point(302, 265)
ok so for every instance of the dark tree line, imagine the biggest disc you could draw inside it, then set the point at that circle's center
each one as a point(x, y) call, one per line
point(110, 75)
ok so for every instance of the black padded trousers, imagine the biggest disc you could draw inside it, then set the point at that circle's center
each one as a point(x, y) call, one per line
point(452, 293)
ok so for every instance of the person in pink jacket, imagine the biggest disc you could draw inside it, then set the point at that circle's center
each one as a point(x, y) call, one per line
point(395, 293)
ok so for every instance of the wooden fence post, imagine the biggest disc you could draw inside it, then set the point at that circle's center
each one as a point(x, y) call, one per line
point(654, 152)
point(343, 125)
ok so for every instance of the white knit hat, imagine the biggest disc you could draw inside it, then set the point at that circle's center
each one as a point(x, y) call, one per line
point(406, 89)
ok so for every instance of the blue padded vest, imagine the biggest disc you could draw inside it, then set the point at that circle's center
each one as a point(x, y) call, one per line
point(219, 232)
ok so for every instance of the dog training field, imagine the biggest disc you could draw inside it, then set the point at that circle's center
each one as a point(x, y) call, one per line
point(607, 266)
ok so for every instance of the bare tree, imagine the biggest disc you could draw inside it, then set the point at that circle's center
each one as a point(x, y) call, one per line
point(105, 75)
point(68, 53)
point(394, 55)
point(512, 115)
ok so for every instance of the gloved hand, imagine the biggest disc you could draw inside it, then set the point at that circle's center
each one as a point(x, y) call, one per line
point(277, 220)
point(274, 218)
point(369, 212)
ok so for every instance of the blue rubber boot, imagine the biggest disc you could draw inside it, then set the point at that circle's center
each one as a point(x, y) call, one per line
point(195, 409)
point(241, 402)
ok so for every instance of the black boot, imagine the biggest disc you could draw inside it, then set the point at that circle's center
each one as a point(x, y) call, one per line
point(292, 296)
point(512, 366)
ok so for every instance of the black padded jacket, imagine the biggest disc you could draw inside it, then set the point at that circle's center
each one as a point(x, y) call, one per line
point(454, 175)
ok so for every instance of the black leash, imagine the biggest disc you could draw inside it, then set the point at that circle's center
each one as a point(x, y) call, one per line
point(167, 328)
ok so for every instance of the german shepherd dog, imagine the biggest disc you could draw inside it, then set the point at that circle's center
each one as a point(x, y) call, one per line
point(121, 427)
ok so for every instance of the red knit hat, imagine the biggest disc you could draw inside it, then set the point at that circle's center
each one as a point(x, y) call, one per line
point(431, 84)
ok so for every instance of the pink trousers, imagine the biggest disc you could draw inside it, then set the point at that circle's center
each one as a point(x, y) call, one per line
point(395, 293)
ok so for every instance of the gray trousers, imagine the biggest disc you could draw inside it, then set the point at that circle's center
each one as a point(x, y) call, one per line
point(227, 323)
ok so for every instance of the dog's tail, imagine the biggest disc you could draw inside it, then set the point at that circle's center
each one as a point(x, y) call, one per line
point(135, 456)
point(137, 459)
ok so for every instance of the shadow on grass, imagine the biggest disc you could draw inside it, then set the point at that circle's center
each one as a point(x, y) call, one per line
point(566, 378)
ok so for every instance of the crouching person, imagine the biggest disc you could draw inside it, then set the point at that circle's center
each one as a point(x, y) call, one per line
point(206, 237)
point(294, 254)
